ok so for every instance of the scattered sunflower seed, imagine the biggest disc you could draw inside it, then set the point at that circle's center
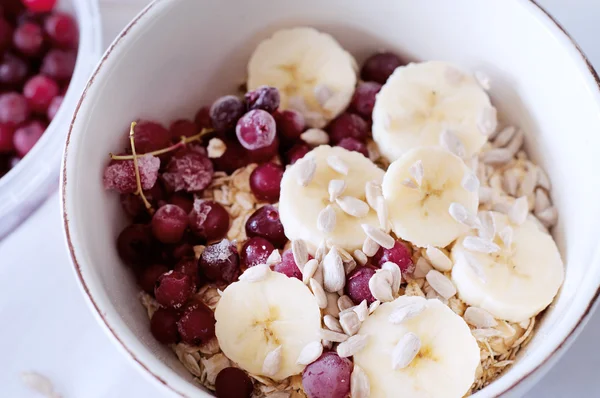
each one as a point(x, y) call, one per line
point(477, 244)
point(382, 213)
point(309, 270)
point(438, 259)
point(335, 189)
point(405, 351)
point(422, 267)
point(360, 257)
point(528, 183)
point(332, 324)
point(349, 323)
point(409, 183)
point(470, 182)
point(542, 179)
point(381, 238)
point(548, 217)
point(504, 136)
point(396, 275)
point(318, 292)
point(441, 284)
point(542, 201)
point(337, 164)
point(362, 310)
point(519, 210)
point(497, 157)
point(300, 252)
point(353, 206)
point(321, 251)
point(516, 142)
point(315, 137)
point(370, 247)
point(486, 195)
point(333, 336)
point(310, 353)
point(305, 170)
point(345, 302)
point(272, 362)
point(334, 277)
point(417, 172)
point(450, 142)
point(487, 225)
point(359, 383)
point(506, 235)
point(462, 215)
point(407, 312)
point(352, 346)
point(479, 318)
point(216, 148)
point(326, 220)
point(374, 305)
point(475, 266)
point(372, 192)
point(255, 274)
point(380, 287)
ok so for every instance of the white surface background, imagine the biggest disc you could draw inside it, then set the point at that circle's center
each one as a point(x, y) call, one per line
point(47, 326)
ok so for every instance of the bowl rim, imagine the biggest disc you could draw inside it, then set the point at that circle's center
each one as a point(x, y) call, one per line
point(537, 12)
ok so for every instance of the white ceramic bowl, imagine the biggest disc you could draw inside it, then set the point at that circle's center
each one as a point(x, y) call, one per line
point(36, 176)
point(178, 55)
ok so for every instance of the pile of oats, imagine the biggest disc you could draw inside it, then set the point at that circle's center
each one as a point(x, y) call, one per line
point(506, 176)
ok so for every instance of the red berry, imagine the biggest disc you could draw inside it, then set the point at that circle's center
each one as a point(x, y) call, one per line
point(120, 174)
point(6, 138)
point(13, 70)
point(220, 261)
point(235, 156)
point(148, 277)
point(256, 129)
point(328, 377)
point(54, 107)
point(296, 153)
point(62, 30)
point(379, 67)
point(264, 97)
point(352, 144)
point(182, 128)
point(188, 171)
point(197, 324)
point(290, 124)
point(59, 64)
point(39, 92)
point(398, 255)
point(40, 5)
point(225, 112)
point(233, 383)
point(28, 38)
point(348, 125)
point(13, 108)
point(134, 244)
point(202, 118)
point(265, 182)
point(27, 136)
point(264, 154)
point(183, 251)
point(150, 136)
point(357, 285)
point(6, 33)
point(189, 266)
point(209, 220)
point(265, 223)
point(173, 289)
point(169, 223)
point(183, 200)
point(288, 265)
point(163, 326)
point(256, 251)
point(363, 100)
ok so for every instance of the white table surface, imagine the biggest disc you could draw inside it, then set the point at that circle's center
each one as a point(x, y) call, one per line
point(47, 327)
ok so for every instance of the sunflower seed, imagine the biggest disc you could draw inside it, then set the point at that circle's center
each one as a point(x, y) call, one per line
point(542, 201)
point(274, 257)
point(349, 266)
point(405, 351)
point(450, 142)
point(396, 275)
point(497, 157)
point(462, 215)
point(543, 180)
point(326, 220)
point(528, 183)
point(350, 323)
point(334, 277)
point(474, 265)
point(438, 259)
point(216, 148)
point(370, 247)
point(360, 257)
point(321, 251)
point(504, 136)
point(352, 346)
point(345, 302)
point(333, 336)
point(315, 137)
point(483, 79)
point(314, 119)
point(409, 183)
point(362, 310)
point(516, 143)
point(310, 353)
point(372, 192)
point(382, 213)
point(484, 334)
point(353, 206)
point(373, 306)
point(470, 182)
point(297, 103)
point(506, 235)
point(407, 312)
point(272, 362)
point(548, 217)
point(488, 121)
point(337, 164)
point(422, 267)
point(309, 270)
point(417, 172)
point(256, 274)
point(332, 308)
point(380, 287)
point(300, 252)
point(359, 383)
point(318, 292)
point(441, 284)
point(380, 237)
point(477, 244)
point(510, 182)
point(519, 210)
point(486, 195)
point(487, 225)
point(336, 188)
point(305, 170)
point(479, 318)
point(318, 275)
point(332, 324)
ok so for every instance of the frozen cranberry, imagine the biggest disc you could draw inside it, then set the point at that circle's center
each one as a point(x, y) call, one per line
point(398, 255)
point(357, 285)
point(13, 70)
point(6, 138)
point(40, 5)
point(235, 156)
point(352, 144)
point(120, 174)
point(209, 220)
point(188, 171)
point(6, 33)
point(256, 251)
point(27, 136)
point(328, 377)
point(220, 261)
point(183, 200)
point(202, 118)
point(173, 289)
point(264, 97)
point(183, 128)
point(225, 112)
point(296, 153)
point(11, 9)
point(62, 29)
point(290, 124)
point(150, 136)
point(148, 276)
point(197, 324)
point(59, 64)
point(348, 125)
point(265, 182)
point(169, 223)
point(288, 266)
point(163, 325)
point(13, 108)
point(256, 129)
point(39, 92)
point(189, 266)
point(379, 67)
point(134, 244)
point(182, 251)
point(28, 38)
point(363, 100)
point(264, 154)
point(233, 383)
point(265, 223)
point(54, 107)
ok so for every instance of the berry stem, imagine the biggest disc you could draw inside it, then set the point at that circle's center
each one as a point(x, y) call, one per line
point(182, 143)
point(138, 181)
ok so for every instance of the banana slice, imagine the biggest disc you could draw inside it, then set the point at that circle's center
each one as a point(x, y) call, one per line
point(268, 320)
point(443, 364)
point(514, 276)
point(332, 205)
point(426, 199)
point(313, 73)
point(422, 100)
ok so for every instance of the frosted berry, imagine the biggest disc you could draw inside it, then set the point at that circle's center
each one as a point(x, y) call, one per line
point(379, 67)
point(13, 108)
point(290, 124)
point(220, 262)
point(233, 383)
point(202, 118)
point(13, 70)
point(296, 153)
point(40, 5)
point(348, 125)
point(183, 128)
point(209, 220)
point(163, 326)
point(363, 99)
point(62, 30)
point(256, 251)
point(188, 171)
point(197, 324)
point(288, 266)
point(59, 64)
point(7, 132)
point(173, 289)
point(189, 266)
point(150, 136)
point(265, 223)
point(148, 276)
point(264, 154)
point(225, 112)
point(120, 174)
point(28, 39)
point(235, 156)
point(264, 97)
point(328, 377)
point(169, 223)
point(256, 129)
point(27, 136)
point(352, 144)
point(399, 254)
point(265, 182)
point(6, 33)
point(39, 92)
point(134, 244)
point(357, 285)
